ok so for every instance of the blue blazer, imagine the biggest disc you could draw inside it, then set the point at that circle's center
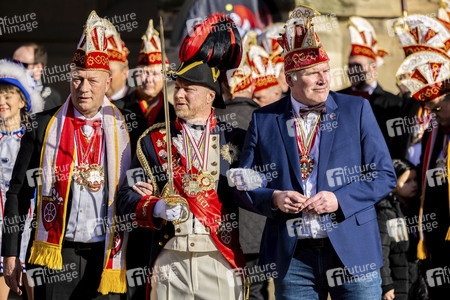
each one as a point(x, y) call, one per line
point(350, 141)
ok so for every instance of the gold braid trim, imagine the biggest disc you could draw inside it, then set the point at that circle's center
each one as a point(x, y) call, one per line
point(143, 160)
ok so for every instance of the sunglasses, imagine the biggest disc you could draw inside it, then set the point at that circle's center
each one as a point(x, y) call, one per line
point(25, 65)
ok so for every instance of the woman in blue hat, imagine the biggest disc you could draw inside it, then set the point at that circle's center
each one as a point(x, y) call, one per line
point(17, 100)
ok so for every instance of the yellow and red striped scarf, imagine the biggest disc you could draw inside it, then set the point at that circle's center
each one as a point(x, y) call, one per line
point(57, 163)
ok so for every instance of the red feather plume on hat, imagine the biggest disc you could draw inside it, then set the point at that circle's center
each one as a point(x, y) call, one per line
point(216, 41)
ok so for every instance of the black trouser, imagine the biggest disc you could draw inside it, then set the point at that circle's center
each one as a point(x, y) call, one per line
point(258, 287)
point(79, 278)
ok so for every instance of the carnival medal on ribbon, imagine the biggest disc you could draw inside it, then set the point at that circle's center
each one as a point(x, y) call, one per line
point(305, 145)
point(196, 183)
point(89, 174)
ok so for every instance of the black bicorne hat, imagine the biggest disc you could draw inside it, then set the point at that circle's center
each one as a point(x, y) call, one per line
point(208, 51)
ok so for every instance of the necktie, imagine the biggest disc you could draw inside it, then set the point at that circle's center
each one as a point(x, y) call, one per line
point(319, 108)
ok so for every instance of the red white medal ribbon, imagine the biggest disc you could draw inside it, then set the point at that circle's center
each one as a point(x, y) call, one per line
point(96, 139)
point(203, 143)
point(303, 148)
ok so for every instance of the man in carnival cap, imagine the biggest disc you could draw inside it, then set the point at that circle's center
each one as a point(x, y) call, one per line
point(73, 160)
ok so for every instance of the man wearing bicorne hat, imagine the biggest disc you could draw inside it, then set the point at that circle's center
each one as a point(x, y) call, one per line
point(118, 64)
point(266, 70)
point(196, 252)
point(416, 33)
point(363, 63)
point(429, 84)
point(331, 164)
point(147, 101)
point(72, 161)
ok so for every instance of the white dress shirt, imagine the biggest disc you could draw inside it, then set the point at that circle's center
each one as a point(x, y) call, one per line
point(86, 221)
point(312, 225)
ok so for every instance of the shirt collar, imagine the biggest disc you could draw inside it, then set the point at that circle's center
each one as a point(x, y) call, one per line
point(99, 115)
point(20, 131)
point(296, 105)
point(120, 94)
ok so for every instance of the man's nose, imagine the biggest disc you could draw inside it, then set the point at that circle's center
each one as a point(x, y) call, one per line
point(84, 86)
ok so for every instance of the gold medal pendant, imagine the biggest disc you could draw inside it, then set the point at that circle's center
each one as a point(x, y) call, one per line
point(306, 166)
point(90, 176)
point(190, 185)
point(205, 181)
point(94, 177)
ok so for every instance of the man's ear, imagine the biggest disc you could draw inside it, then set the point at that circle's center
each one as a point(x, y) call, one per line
point(289, 80)
point(211, 97)
point(108, 82)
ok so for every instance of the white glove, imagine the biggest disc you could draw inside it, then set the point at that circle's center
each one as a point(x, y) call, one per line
point(246, 179)
point(166, 212)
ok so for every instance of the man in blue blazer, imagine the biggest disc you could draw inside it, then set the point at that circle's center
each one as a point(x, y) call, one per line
point(325, 164)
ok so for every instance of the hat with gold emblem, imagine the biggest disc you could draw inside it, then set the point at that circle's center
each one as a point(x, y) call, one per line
point(116, 47)
point(241, 79)
point(91, 52)
point(266, 68)
point(301, 45)
point(419, 33)
point(364, 40)
point(427, 75)
point(150, 53)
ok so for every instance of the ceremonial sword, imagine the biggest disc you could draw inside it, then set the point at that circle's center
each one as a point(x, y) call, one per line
point(172, 199)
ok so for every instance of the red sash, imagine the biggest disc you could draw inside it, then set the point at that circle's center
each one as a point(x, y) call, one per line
point(206, 207)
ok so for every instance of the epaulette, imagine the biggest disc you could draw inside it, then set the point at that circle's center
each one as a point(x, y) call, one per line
point(142, 158)
point(152, 128)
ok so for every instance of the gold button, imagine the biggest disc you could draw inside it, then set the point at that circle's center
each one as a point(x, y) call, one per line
point(207, 229)
point(214, 146)
point(178, 230)
point(166, 236)
point(192, 244)
point(214, 138)
point(160, 243)
point(213, 172)
point(214, 163)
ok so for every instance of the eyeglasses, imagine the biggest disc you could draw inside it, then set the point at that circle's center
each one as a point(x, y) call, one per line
point(25, 65)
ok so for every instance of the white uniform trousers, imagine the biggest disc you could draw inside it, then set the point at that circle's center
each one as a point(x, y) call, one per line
point(179, 275)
